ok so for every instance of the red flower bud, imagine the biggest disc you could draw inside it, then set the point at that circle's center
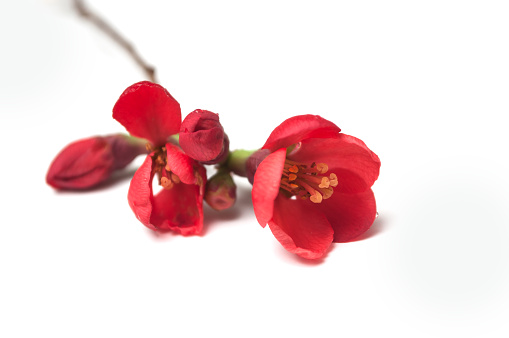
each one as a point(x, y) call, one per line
point(220, 191)
point(202, 137)
point(88, 162)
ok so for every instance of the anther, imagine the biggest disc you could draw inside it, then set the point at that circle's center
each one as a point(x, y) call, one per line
point(322, 168)
point(293, 169)
point(327, 193)
point(325, 183)
point(166, 183)
point(316, 197)
point(333, 180)
point(292, 177)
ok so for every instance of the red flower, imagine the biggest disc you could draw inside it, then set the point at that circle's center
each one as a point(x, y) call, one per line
point(148, 111)
point(314, 187)
point(85, 163)
point(202, 137)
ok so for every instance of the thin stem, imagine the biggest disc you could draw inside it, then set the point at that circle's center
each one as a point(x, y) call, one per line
point(106, 28)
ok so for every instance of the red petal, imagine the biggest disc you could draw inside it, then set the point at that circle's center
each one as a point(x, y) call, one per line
point(201, 135)
point(140, 193)
point(181, 164)
point(148, 111)
point(179, 209)
point(82, 164)
point(356, 166)
point(300, 227)
point(266, 185)
point(349, 214)
point(298, 128)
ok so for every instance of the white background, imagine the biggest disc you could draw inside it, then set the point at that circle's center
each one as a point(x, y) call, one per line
point(423, 83)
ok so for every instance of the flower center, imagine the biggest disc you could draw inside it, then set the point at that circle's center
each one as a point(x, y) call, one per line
point(306, 181)
point(167, 179)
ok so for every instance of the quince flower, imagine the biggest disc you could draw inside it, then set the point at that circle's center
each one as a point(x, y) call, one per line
point(312, 185)
point(148, 111)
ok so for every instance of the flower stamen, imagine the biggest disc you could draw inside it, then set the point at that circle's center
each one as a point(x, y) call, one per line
point(322, 167)
point(306, 181)
point(167, 179)
point(166, 183)
point(333, 180)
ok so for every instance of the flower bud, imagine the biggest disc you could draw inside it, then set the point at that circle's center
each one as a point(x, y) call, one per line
point(220, 191)
point(202, 137)
point(85, 163)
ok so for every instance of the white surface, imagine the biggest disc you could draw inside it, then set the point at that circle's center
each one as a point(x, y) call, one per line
point(424, 84)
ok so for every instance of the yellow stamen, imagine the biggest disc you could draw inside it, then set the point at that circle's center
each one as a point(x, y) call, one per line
point(316, 198)
point(333, 180)
point(166, 183)
point(325, 183)
point(322, 167)
point(167, 179)
point(308, 181)
point(327, 193)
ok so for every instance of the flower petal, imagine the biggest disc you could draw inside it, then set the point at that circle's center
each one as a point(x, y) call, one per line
point(266, 185)
point(349, 214)
point(181, 164)
point(356, 166)
point(298, 128)
point(148, 111)
point(179, 209)
point(300, 227)
point(140, 196)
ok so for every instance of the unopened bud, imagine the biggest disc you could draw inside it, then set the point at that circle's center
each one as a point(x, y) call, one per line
point(202, 137)
point(86, 163)
point(221, 191)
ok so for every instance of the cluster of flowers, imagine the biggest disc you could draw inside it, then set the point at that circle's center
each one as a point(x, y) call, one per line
point(311, 183)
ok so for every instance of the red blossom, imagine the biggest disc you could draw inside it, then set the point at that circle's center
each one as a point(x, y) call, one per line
point(314, 185)
point(147, 110)
point(86, 163)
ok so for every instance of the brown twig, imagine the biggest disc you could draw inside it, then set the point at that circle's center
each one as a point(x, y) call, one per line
point(106, 28)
